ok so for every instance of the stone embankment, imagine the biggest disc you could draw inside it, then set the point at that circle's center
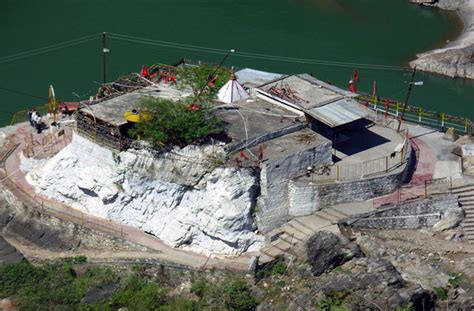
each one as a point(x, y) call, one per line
point(457, 58)
point(181, 197)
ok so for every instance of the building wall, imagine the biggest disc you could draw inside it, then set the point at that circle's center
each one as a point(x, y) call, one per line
point(273, 204)
point(306, 198)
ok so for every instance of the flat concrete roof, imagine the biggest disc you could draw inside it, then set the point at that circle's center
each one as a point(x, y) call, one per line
point(112, 110)
point(254, 117)
point(284, 146)
point(307, 91)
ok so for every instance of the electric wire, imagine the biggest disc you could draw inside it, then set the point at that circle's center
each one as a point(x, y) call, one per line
point(14, 57)
point(176, 45)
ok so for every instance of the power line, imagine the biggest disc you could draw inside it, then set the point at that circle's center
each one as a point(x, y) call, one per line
point(176, 45)
point(47, 49)
point(22, 93)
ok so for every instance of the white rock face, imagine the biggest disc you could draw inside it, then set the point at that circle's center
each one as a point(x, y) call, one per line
point(180, 198)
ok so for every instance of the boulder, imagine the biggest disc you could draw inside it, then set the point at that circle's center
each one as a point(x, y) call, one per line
point(451, 219)
point(326, 251)
point(450, 135)
point(96, 294)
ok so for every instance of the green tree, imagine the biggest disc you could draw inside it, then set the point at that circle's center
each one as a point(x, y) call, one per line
point(197, 77)
point(175, 123)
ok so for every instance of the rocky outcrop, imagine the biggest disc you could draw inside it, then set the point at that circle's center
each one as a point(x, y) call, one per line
point(455, 63)
point(181, 197)
point(326, 251)
point(412, 267)
point(456, 59)
point(451, 219)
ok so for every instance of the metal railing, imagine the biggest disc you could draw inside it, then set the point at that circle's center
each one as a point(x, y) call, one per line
point(437, 120)
point(423, 190)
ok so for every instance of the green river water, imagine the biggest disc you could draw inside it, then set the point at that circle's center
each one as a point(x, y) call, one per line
point(385, 32)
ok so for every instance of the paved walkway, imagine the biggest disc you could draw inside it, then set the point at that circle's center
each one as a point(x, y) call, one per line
point(433, 156)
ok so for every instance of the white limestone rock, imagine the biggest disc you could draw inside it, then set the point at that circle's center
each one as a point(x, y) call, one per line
point(180, 197)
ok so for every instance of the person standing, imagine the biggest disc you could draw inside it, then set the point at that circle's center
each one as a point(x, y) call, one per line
point(39, 124)
point(30, 116)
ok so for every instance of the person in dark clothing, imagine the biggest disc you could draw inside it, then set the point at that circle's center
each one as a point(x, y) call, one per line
point(30, 116)
point(39, 123)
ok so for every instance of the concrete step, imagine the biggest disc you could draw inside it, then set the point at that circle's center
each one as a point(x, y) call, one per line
point(272, 252)
point(338, 215)
point(327, 217)
point(462, 191)
point(291, 231)
point(314, 222)
point(462, 187)
point(289, 238)
point(281, 245)
point(298, 226)
point(264, 258)
point(466, 196)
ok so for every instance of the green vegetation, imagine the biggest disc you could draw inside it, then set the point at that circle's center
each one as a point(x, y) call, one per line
point(235, 294)
point(69, 284)
point(441, 293)
point(175, 123)
point(278, 267)
point(333, 302)
point(196, 77)
point(408, 307)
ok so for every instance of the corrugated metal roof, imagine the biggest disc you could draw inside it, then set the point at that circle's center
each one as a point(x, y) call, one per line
point(338, 113)
point(252, 77)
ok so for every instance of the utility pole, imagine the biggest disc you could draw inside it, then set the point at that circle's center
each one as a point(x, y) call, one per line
point(104, 51)
point(410, 86)
point(215, 71)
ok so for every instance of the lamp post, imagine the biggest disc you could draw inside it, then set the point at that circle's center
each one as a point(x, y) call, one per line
point(105, 50)
point(410, 86)
point(217, 68)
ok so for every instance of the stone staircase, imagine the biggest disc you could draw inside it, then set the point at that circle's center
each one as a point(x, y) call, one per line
point(292, 236)
point(466, 198)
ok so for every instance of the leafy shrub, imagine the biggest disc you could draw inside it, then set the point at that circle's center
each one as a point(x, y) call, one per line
point(333, 302)
point(199, 288)
point(441, 293)
point(279, 267)
point(238, 297)
point(174, 123)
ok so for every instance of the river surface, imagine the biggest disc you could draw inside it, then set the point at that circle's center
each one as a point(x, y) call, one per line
point(382, 32)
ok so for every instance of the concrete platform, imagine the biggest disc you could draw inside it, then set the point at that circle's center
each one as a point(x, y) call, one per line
point(362, 143)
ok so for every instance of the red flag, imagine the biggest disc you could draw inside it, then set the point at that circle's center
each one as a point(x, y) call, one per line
point(387, 105)
point(144, 72)
point(243, 155)
point(356, 76)
point(375, 89)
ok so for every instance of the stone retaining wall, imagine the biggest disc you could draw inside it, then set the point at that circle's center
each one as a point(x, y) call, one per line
point(415, 214)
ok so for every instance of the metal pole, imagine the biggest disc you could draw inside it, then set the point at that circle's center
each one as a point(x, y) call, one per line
point(104, 51)
point(410, 86)
point(217, 68)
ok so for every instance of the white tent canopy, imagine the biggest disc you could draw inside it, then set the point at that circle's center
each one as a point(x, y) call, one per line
point(231, 92)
